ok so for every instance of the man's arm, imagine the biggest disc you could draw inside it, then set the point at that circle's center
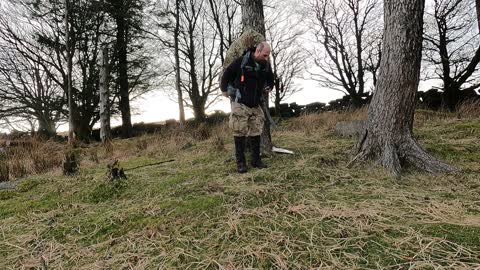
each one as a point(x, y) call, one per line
point(270, 79)
point(229, 75)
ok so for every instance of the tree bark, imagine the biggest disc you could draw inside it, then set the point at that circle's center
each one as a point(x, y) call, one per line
point(46, 126)
point(388, 136)
point(177, 65)
point(71, 126)
point(477, 6)
point(104, 97)
point(197, 100)
point(124, 103)
point(199, 110)
point(83, 129)
point(253, 18)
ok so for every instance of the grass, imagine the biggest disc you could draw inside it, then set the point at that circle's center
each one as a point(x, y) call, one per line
point(307, 211)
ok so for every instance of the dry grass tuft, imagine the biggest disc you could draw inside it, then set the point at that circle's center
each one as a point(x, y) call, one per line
point(219, 134)
point(423, 117)
point(202, 132)
point(324, 121)
point(33, 156)
point(469, 109)
point(4, 171)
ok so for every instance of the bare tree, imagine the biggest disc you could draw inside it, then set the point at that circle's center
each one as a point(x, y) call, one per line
point(199, 54)
point(349, 31)
point(178, 86)
point(69, 53)
point(200, 57)
point(389, 136)
point(223, 14)
point(127, 16)
point(200, 47)
point(452, 48)
point(288, 53)
point(104, 97)
point(37, 32)
point(27, 92)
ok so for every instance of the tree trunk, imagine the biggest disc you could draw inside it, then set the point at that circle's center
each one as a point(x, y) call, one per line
point(477, 5)
point(277, 102)
point(199, 110)
point(198, 104)
point(71, 126)
point(388, 136)
point(177, 65)
point(83, 131)
point(450, 96)
point(104, 97)
point(46, 126)
point(253, 18)
point(356, 100)
point(359, 47)
point(124, 103)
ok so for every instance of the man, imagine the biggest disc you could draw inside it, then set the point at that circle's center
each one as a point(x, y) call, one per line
point(245, 81)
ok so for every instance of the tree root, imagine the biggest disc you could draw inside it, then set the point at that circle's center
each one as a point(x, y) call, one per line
point(390, 159)
point(421, 159)
point(392, 155)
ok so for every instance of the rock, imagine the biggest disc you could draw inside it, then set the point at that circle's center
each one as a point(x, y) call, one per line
point(350, 128)
point(8, 185)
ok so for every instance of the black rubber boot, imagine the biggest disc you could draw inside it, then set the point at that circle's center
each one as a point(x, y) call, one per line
point(240, 154)
point(255, 148)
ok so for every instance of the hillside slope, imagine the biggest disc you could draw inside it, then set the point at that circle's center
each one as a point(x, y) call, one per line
point(306, 211)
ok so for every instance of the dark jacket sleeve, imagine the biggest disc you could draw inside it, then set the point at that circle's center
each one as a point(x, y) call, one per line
point(230, 74)
point(269, 82)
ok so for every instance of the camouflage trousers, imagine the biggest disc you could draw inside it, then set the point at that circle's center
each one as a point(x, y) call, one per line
point(246, 121)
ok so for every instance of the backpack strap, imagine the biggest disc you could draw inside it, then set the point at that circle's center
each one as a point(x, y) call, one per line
point(246, 57)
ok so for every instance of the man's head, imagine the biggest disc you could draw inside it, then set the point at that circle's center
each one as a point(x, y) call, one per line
point(262, 52)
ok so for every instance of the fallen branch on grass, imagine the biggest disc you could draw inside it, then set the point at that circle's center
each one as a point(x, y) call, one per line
point(148, 165)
